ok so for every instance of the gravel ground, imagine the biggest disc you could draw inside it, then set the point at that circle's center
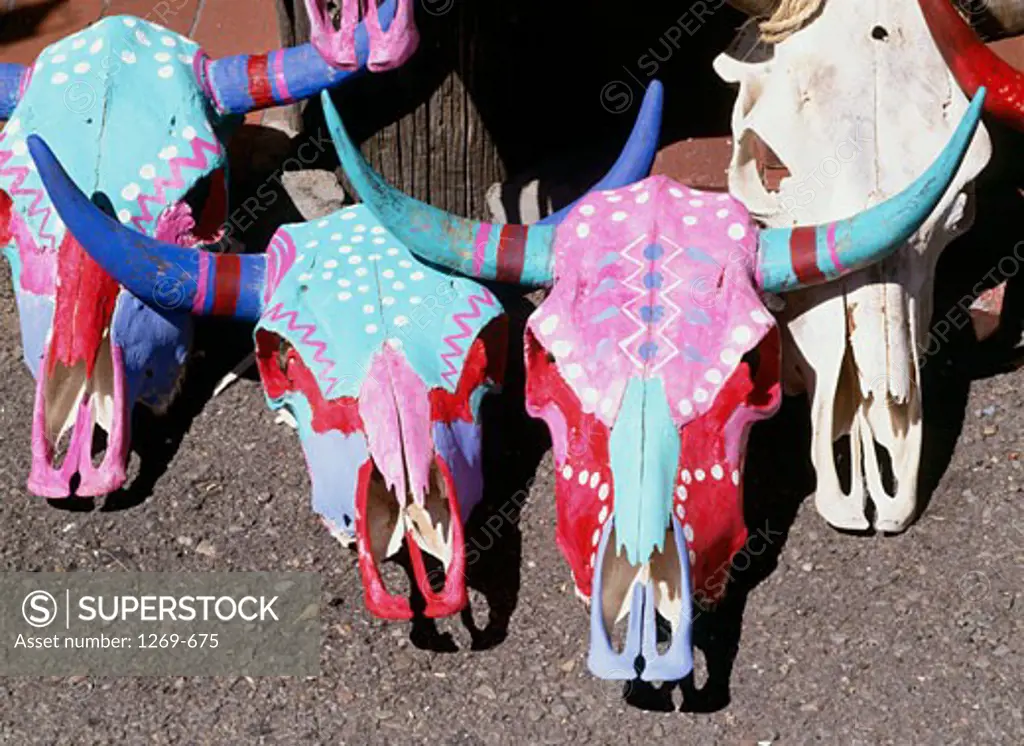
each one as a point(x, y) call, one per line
point(829, 638)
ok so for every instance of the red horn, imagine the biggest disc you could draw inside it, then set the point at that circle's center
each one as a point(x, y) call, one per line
point(974, 65)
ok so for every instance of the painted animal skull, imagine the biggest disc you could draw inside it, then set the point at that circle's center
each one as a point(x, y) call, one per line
point(388, 49)
point(141, 114)
point(381, 360)
point(855, 105)
point(649, 361)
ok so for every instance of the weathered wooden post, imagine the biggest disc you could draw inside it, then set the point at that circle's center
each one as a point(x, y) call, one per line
point(504, 89)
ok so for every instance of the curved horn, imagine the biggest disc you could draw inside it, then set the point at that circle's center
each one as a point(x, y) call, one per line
point(162, 275)
point(974, 65)
point(13, 79)
point(791, 258)
point(507, 253)
point(637, 157)
point(249, 82)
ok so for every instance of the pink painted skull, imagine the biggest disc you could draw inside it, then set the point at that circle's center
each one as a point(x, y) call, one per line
point(649, 361)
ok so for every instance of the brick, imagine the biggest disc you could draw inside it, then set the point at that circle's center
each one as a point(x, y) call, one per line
point(987, 311)
point(176, 15)
point(698, 162)
point(35, 24)
point(1011, 50)
point(226, 27)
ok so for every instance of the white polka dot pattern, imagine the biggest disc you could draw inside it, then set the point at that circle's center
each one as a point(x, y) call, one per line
point(655, 279)
point(433, 327)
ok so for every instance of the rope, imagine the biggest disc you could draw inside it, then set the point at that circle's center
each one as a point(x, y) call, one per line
point(789, 17)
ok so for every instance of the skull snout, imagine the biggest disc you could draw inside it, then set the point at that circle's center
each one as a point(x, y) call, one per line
point(657, 590)
point(73, 403)
point(431, 532)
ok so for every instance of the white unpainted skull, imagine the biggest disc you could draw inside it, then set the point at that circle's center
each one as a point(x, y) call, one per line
point(855, 106)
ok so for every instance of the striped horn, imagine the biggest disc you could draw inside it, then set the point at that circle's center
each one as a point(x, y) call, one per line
point(167, 277)
point(792, 258)
point(517, 254)
point(637, 157)
point(249, 82)
point(13, 79)
point(974, 65)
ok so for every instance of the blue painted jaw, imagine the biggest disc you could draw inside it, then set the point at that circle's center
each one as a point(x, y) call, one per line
point(642, 588)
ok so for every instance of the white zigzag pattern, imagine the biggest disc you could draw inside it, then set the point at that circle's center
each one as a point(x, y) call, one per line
point(626, 344)
point(664, 296)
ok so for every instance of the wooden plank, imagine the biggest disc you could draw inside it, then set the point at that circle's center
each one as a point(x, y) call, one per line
point(512, 88)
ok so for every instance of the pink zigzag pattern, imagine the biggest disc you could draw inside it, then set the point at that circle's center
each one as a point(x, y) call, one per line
point(280, 259)
point(277, 313)
point(475, 301)
point(19, 174)
point(198, 162)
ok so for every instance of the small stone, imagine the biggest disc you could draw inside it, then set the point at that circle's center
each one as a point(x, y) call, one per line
point(206, 549)
point(568, 666)
point(560, 711)
point(185, 541)
point(809, 707)
point(989, 430)
point(485, 691)
point(807, 566)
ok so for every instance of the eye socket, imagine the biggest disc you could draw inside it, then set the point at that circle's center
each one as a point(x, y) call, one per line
point(283, 352)
point(753, 360)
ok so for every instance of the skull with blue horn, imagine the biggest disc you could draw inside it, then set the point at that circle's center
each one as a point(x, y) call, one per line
point(649, 360)
point(381, 360)
point(142, 115)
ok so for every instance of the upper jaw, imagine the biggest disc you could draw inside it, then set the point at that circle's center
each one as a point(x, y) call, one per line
point(649, 592)
point(381, 526)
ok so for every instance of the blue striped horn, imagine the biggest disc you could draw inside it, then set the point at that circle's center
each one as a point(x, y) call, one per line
point(635, 161)
point(792, 258)
point(167, 277)
point(248, 82)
